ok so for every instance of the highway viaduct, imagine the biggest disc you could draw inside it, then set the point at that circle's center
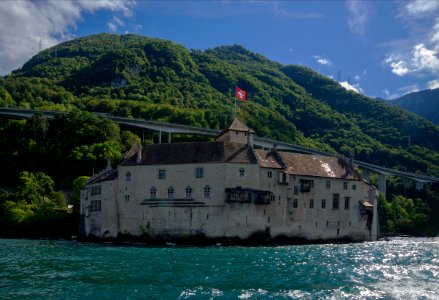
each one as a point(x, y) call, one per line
point(170, 128)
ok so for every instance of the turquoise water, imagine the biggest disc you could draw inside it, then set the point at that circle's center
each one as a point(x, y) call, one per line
point(44, 269)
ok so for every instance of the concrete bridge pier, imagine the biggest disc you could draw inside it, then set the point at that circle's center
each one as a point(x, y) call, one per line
point(160, 136)
point(382, 183)
point(406, 183)
point(366, 174)
point(169, 137)
point(419, 185)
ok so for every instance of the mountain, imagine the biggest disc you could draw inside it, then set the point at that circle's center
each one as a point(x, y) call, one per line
point(155, 79)
point(424, 103)
point(130, 75)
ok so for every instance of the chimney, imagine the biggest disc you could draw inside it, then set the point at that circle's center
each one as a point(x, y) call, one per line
point(108, 168)
point(139, 154)
point(249, 140)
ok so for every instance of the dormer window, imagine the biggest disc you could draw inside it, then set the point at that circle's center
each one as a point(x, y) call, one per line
point(241, 172)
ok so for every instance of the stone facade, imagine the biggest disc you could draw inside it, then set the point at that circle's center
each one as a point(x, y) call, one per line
point(227, 189)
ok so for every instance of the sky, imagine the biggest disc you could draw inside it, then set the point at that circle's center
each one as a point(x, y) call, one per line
point(379, 48)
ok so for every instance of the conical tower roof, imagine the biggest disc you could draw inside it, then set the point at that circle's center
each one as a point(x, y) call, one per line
point(236, 126)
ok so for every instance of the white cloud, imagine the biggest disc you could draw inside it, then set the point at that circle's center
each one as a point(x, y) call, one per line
point(359, 16)
point(409, 89)
point(418, 55)
point(388, 95)
point(401, 91)
point(322, 60)
point(434, 84)
point(115, 23)
point(425, 59)
point(420, 7)
point(399, 67)
point(278, 10)
point(25, 25)
point(355, 87)
point(421, 59)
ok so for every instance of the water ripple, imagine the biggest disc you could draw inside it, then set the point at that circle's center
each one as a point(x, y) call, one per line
point(399, 269)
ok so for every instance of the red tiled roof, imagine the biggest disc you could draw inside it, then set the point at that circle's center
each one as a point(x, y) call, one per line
point(267, 160)
point(308, 165)
point(186, 153)
point(236, 125)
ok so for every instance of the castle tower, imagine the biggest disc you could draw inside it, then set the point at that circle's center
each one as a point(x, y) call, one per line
point(237, 132)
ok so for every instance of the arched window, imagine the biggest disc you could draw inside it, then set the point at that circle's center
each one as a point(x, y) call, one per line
point(127, 198)
point(241, 172)
point(189, 192)
point(128, 176)
point(153, 193)
point(295, 203)
point(171, 192)
point(311, 203)
point(207, 191)
point(323, 203)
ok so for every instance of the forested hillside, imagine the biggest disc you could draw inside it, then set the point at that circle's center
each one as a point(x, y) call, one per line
point(424, 103)
point(141, 77)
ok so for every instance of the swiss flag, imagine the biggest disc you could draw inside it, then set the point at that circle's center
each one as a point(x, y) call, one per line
point(240, 94)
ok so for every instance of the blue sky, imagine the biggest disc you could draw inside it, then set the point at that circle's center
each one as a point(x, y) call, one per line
point(380, 48)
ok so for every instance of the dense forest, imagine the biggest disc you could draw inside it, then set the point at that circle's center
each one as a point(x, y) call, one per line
point(424, 103)
point(154, 79)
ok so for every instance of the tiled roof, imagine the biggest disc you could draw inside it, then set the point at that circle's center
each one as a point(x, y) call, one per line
point(104, 176)
point(220, 151)
point(322, 166)
point(267, 160)
point(200, 152)
point(308, 165)
point(236, 125)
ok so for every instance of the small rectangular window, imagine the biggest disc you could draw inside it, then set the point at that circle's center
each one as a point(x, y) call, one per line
point(328, 184)
point(153, 193)
point(96, 190)
point(296, 190)
point(295, 203)
point(347, 201)
point(95, 205)
point(354, 186)
point(335, 201)
point(162, 174)
point(207, 191)
point(345, 185)
point(199, 173)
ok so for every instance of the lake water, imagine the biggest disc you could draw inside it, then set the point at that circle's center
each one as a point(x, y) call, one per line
point(42, 269)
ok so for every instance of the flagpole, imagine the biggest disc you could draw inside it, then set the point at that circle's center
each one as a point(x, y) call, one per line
point(235, 110)
point(234, 103)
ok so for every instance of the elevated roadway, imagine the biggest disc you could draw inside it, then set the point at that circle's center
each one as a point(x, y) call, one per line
point(170, 128)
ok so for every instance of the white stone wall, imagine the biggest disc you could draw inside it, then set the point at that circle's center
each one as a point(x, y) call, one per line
point(101, 223)
point(216, 218)
point(239, 137)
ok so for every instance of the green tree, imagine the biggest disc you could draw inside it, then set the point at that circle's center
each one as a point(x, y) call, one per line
point(34, 188)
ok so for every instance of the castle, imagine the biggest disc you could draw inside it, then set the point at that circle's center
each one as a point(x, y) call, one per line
point(227, 189)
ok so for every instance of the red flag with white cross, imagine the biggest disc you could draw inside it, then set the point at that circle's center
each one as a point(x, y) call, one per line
point(240, 94)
